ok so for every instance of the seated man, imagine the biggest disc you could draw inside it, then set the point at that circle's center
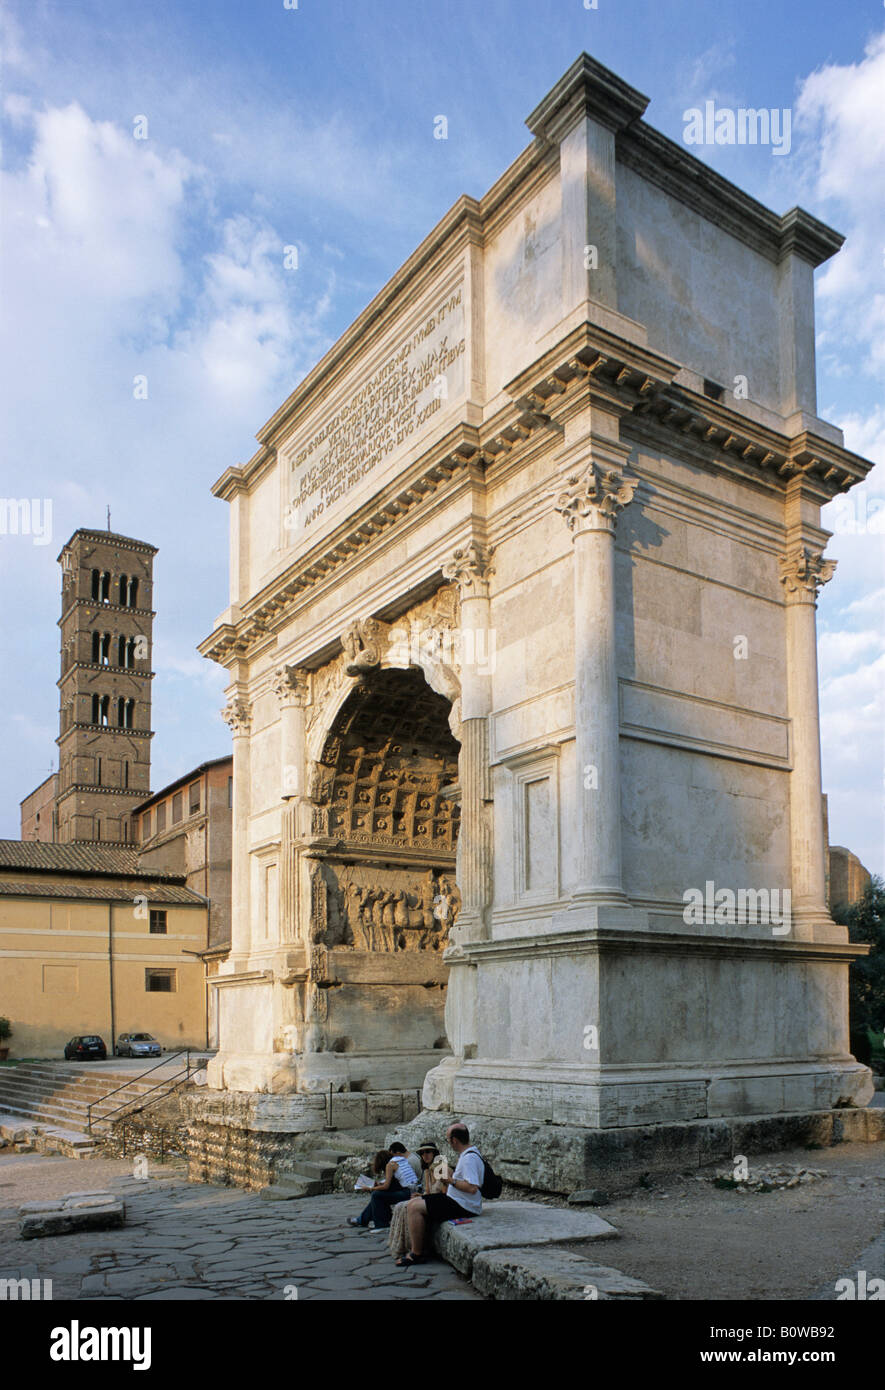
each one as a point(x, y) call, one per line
point(461, 1195)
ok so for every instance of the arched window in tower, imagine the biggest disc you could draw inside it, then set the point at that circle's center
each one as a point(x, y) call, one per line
point(105, 649)
point(96, 584)
point(98, 772)
point(125, 772)
point(121, 651)
point(97, 828)
point(124, 590)
point(130, 652)
point(133, 593)
point(121, 712)
point(96, 709)
point(130, 714)
point(105, 709)
point(96, 647)
point(104, 587)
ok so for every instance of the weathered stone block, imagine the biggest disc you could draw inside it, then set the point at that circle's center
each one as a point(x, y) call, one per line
point(506, 1224)
point(533, 1273)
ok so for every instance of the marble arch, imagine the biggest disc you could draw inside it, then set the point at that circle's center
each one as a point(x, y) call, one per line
point(518, 472)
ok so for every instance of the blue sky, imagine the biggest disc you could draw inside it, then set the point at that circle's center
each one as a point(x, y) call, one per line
point(313, 127)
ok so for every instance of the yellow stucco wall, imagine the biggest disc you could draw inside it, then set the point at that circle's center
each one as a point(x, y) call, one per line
point(54, 975)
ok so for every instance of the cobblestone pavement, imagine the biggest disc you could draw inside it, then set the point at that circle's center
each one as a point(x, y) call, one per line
point(191, 1241)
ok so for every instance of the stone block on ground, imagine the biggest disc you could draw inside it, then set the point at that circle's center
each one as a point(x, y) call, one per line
point(552, 1274)
point(589, 1197)
point(78, 1211)
point(505, 1225)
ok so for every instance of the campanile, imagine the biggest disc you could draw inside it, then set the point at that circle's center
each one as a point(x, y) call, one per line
point(105, 733)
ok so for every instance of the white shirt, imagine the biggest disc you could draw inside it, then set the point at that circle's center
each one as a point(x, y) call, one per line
point(469, 1168)
point(404, 1171)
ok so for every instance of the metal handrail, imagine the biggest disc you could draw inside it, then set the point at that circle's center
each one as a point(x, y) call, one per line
point(171, 1082)
point(183, 1052)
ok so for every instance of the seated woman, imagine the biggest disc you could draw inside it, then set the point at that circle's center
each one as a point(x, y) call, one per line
point(434, 1172)
point(399, 1181)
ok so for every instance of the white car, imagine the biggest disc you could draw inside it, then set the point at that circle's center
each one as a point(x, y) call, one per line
point(138, 1045)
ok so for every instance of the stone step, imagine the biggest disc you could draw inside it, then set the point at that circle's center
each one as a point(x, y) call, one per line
point(292, 1186)
point(311, 1168)
point(23, 1130)
point(44, 1115)
point(91, 1086)
point(330, 1157)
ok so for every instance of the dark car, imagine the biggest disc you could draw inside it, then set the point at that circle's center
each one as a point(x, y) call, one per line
point(138, 1045)
point(88, 1047)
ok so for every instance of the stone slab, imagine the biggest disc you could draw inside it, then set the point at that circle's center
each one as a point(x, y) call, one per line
point(504, 1225)
point(66, 1220)
point(552, 1274)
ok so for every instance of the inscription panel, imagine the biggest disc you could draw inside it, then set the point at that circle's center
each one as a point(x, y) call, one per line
point(382, 411)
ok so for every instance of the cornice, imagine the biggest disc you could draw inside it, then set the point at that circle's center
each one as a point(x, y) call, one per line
point(671, 167)
point(127, 793)
point(108, 670)
point(349, 539)
point(587, 89)
point(110, 538)
point(104, 608)
point(103, 729)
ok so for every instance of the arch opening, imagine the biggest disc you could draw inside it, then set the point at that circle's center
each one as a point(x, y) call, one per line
point(383, 894)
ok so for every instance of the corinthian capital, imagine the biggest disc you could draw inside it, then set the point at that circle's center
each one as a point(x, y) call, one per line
point(803, 571)
point(291, 685)
point(470, 568)
point(237, 714)
point(592, 499)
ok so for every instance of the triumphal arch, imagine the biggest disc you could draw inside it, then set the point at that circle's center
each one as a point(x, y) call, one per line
point(523, 683)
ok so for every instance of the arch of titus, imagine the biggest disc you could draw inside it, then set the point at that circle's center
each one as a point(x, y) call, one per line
point(521, 644)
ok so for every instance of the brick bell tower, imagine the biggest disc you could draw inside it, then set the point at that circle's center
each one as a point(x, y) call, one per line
point(104, 739)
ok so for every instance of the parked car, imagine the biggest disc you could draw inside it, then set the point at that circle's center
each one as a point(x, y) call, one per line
point(138, 1045)
point(86, 1047)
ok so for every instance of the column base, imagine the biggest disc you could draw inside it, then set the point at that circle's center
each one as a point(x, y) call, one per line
point(590, 912)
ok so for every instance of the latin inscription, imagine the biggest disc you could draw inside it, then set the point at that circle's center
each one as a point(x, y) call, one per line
point(416, 380)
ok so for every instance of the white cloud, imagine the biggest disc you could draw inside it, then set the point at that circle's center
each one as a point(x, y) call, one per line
point(839, 115)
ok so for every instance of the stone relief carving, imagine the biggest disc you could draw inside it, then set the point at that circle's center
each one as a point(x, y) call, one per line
point(363, 642)
point(369, 908)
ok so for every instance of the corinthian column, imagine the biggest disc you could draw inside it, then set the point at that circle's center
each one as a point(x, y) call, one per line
point(589, 503)
point(291, 686)
point(470, 569)
point(802, 571)
point(238, 716)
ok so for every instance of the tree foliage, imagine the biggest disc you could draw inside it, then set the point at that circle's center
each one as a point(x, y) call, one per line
point(865, 920)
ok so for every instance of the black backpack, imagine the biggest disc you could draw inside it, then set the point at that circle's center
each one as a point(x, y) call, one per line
point(492, 1186)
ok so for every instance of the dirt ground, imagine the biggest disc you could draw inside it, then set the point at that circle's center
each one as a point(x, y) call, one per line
point(692, 1240)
